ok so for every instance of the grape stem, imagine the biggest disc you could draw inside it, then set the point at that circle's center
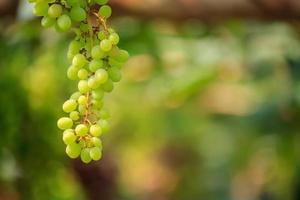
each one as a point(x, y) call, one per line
point(88, 109)
point(102, 21)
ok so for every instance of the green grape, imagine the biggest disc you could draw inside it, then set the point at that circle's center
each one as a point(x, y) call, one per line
point(93, 83)
point(95, 65)
point(79, 61)
point(41, 8)
point(114, 38)
point(108, 86)
point(96, 130)
point(98, 94)
point(64, 22)
point(69, 106)
point(96, 142)
point(64, 123)
point(74, 47)
point(82, 109)
point(83, 86)
point(97, 52)
point(75, 96)
point(115, 63)
point(105, 11)
point(83, 74)
point(101, 2)
point(101, 35)
point(47, 22)
point(72, 73)
point(74, 115)
point(114, 74)
point(95, 153)
point(77, 14)
point(101, 76)
point(55, 10)
point(82, 100)
point(81, 130)
point(73, 2)
point(104, 125)
point(73, 150)
point(84, 27)
point(106, 45)
point(69, 137)
point(97, 104)
point(85, 155)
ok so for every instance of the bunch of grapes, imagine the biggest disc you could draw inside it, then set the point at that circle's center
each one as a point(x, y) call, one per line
point(96, 65)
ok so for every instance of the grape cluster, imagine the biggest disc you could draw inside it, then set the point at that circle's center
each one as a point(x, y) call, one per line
point(96, 63)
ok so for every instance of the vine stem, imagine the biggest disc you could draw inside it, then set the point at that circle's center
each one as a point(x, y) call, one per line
point(88, 109)
point(102, 21)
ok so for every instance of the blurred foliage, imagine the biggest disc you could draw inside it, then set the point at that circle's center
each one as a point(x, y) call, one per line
point(204, 112)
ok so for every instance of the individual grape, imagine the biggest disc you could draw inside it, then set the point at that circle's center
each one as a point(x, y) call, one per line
point(106, 45)
point(73, 2)
point(98, 94)
point(93, 82)
point(114, 74)
point(41, 8)
point(95, 65)
point(79, 61)
point(83, 74)
point(55, 10)
point(101, 35)
point(85, 155)
point(97, 104)
point(96, 142)
point(83, 86)
point(101, 2)
point(74, 47)
point(95, 153)
point(81, 130)
point(69, 137)
point(108, 86)
point(96, 130)
point(114, 38)
point(104, 125)
point(82, 109)
point(84, 27)
point(64, 123)
point(72, 73)
point(97, 52)
point(115, 63)
point(73, 150)
point(77, 14)
point(74, 115)
point(47, 22)
point(75, 96)
point(64, 22)
point(105, 11)
point(122, 56)
point(69, 106)
point(82, 100)
point(101, 75)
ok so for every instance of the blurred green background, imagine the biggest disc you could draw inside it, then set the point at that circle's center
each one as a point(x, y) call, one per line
point(206, 110)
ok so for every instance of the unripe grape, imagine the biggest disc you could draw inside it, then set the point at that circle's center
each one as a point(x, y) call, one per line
point(72, 73)
point(74, 47)
point(105, 11)
point(55, 10)
point(106, 45)
point(84, 27)
point(114, 74)
point(108, 86)
point(69, 106)
point(81, 130)
point(96, 142)
point(101, 2)
point(114, 38)
point(83, 74)
point(83, 86)
point(97, 52)
point(101, 76)
point(85, 155)
point(74, 115)
point(95, 65)
point(47, 22)
point(75, 96)
point(98, 94)
point(73, 2)
point(79, 61)
point(104, 125)
point(64, 22)
point(101, 35)
point(77, 14)
point(97, 104)
point(69, 137)
point(93, 83)
point(95, 153)
point(41, 8)
point(96, 130)
point(115, 63)
point(64, 123)
point(82, 100)
point(73, 150)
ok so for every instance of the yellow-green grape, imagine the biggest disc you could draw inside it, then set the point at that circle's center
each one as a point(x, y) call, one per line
point(97, 52)
point(83, 74)
point(47, 22)
point(83, 86)
point(106, 45)
point(98, 94)
point(77, 14)
point(75, 96)
point(55, 10)
point(95, 65)
point(69, 137)
point(96, 142)
point(73, 150)
point(101, 35)
point(93, 82)
point(82, 109)
point(79, 61)
point(64, 123)
point(82, 100)
point(108, 86)
point(101, 75)
point(69, 106)
point(105, 11)
point(95, 153)
point(114, 74)
point(115, 63)
point(41, 8)
point(97, 104)
point(101, 2)
point(114, 38)
point(72, 73)
point(74, 47)
point(85, 155)
point(73, 2)
point(81, 130)
point(104, 125)
point(64, 23)
point(74, 115)
point(95, 130)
